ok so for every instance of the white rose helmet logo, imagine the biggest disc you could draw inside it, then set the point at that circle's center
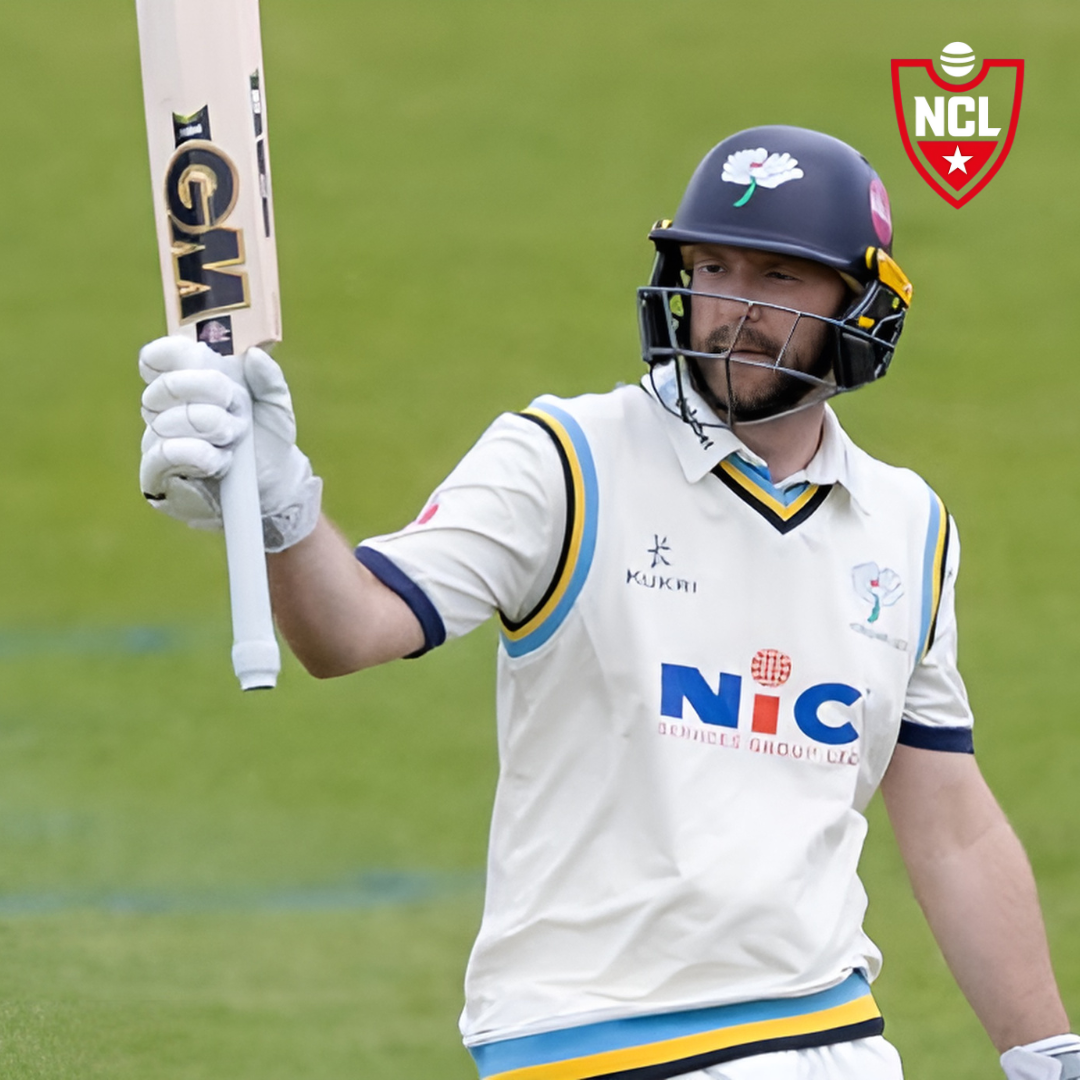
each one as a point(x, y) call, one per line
point(759, 168)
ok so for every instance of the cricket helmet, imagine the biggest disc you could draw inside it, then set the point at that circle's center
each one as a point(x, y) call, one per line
point(795, 192)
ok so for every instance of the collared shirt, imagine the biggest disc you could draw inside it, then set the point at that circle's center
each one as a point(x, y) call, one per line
point(489, 538)
point(699, 452)
point(597, 688)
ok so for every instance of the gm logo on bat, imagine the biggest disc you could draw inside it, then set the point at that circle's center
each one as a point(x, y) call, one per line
point(201, 189)
point(681, 685)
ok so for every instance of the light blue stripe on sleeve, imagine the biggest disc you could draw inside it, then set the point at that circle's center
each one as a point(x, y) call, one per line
point(933, 532)
point(590, 510)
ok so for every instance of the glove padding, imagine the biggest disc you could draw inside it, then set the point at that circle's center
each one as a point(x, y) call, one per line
point(195, 414)
point(1056, 1058)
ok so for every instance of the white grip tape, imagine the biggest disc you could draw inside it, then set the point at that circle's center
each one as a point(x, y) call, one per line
point(256, 664)
point(256, 656)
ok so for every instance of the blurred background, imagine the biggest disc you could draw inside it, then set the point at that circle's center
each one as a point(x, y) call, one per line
point(199, 884)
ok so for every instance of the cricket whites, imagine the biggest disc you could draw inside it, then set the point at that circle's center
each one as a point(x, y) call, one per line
point(205, 101)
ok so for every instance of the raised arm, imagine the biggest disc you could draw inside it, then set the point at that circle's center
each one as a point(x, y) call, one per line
point(973, 881)
point(490, 539)
point(335, 614)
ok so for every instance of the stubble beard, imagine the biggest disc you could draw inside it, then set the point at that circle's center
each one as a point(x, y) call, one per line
point(771, 390)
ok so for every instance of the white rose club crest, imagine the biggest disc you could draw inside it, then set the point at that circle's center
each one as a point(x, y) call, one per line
point(758, 168)
point(957, 129)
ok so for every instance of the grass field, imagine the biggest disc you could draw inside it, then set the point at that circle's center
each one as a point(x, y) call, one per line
point(197, 884)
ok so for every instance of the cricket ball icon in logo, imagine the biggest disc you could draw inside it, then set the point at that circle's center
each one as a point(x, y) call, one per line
point(770, 667)
point(957, 129)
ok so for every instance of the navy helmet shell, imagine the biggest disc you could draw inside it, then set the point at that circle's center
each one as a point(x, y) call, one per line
point(789, 190)
point(795, 192)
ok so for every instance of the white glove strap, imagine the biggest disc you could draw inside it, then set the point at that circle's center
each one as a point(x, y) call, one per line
point(1056, 1058)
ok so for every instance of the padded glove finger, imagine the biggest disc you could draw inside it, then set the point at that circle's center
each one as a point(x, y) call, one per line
point(207, 422)
point(192, 501)
point(194, 387)
point(174, 474)
point(174, 354)
point(189, 459)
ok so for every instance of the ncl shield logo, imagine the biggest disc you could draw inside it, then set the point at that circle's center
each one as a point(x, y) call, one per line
point(957, 127)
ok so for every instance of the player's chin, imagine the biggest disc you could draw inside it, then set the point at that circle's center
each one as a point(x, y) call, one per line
point(746, 379)
point(763, 394)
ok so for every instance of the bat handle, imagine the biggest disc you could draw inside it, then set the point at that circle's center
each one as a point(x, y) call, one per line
point(255, 654)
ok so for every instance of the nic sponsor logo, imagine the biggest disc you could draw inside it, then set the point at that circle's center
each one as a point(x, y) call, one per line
point(957, 118)
point(816, 713)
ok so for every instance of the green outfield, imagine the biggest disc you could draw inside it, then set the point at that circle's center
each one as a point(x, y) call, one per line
point(199, 885)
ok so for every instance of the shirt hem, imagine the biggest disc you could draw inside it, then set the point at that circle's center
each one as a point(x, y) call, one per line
point(648, 1047)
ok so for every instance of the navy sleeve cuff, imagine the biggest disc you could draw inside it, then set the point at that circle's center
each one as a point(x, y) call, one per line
point(955, 740)
point(419, 604)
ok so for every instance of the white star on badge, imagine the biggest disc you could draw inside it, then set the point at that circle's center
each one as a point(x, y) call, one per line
point(958, 161)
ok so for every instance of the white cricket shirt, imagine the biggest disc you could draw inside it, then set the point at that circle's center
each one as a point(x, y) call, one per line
point(701, 680)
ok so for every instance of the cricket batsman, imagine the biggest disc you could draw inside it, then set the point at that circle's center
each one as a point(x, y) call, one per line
point(723, 627)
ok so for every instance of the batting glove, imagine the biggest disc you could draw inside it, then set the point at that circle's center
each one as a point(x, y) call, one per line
point(195, 414)
point(1057, 1058)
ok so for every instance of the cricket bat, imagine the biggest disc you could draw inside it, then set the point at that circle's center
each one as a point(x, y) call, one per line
point(205, 99)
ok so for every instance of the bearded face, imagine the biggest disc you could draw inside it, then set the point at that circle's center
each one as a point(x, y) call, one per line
point(760, 327)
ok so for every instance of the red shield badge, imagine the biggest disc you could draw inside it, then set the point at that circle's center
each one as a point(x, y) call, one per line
point(957, 133)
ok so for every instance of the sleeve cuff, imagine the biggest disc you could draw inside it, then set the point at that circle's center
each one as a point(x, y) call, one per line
point(955, 740)
point(399, 582)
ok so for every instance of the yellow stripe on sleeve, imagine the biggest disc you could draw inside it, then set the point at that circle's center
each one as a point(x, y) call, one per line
point(576, 532)
point(937, 568)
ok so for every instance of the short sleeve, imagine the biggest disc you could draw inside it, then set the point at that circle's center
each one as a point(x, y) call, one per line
point(488, 539)
point(937, 715)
